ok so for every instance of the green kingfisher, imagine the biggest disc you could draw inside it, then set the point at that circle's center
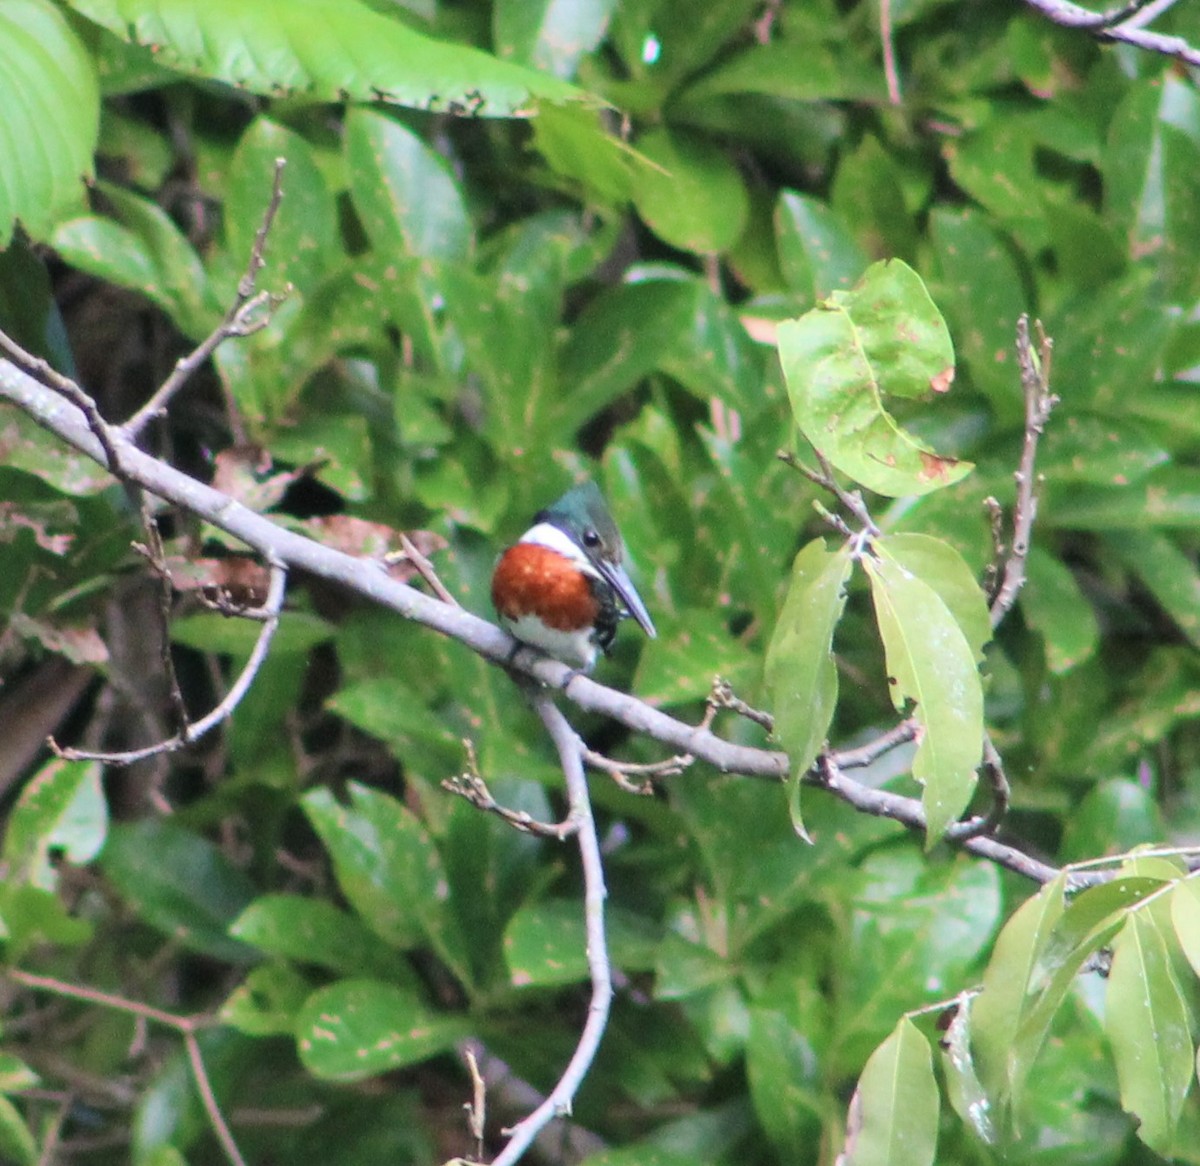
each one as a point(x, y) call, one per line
point(562, 587)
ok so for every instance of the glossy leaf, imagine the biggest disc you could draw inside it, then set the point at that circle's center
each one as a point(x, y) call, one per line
point(267, 1002)
point(847, 356)
point(1148, 1022)
point(817, 253)
point(964, 1090)
point(690, 195)
point(1168, 572)
point(931, 665)
point(800, 673)
point(894, 1112)
point(271, 50)
point(388, 868)
point(312, 931)
point(358, 1028)
point(179, 883)
point(405, 193)
point(1185, 915)
point(547, 35)
point(60, 811)
point(49, 95)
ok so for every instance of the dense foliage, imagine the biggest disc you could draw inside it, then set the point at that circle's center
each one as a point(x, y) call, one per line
point(521, 243)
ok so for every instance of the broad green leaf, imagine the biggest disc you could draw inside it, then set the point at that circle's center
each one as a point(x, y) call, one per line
point(1008, 980)
point(785, 1085)
point(17, 1144)
point(817, 252)
point(1149, 1024)
point(267, 1002)
point(963, 1088)
point(937, 564)
point(1113, 817)
point(358, 1028)
point(15, 1075)
point(409, 201)
point(548, 34)
point(388, 868)
point(60, 811)
point(546, 943)
point(325, 51)
point(931, 665)
point(1103, 450)
point(847, 356)
point(893, 1117)
point(983, 312)
point(1168, 498)
point(691, 195)
point(26, 449)
point(800, 673)
point(1054, 606)
point(146, 252)
point(51, 119)
point(31, 917)
point(179, 883)
point(312, 931)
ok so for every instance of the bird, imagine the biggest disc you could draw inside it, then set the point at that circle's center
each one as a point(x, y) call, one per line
point(562, 587)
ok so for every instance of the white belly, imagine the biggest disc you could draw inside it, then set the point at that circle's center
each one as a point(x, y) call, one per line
point(575, 649)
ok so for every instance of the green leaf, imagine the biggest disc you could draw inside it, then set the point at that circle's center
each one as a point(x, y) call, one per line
point(800, 673)
point(785, 1086)
point(817, 253)
point(51, 104)
point(17, 1144)
point(358, 1028)
point(179, 883)
point(1148, 1023)
point(325, 51)
point(937, 564)
point(1169, 574)
point(1113, 817)
point(843, 359)
point(691, 195)
point(1103, 450)
point(26, 449)
point(1185, 915)
point(931, 665)
point(389, 870)
point(267, 1002)
point(549, 36)
point(963, 1088)
point(1008, 980)
point(15, 1075)
point(545, 943)
point(61, 810)
point(312, 931)
point(404, 192)
point(894, 1113)
point(1054, 605)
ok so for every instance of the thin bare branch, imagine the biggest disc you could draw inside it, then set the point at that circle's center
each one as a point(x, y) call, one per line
point(268, 615)
point(993, 769)
point(208, 1099)
point(886, 36)
point(558, 1101)
point(1125, 25)
point(1039, 403)
point(426, 570)
point(248, 313)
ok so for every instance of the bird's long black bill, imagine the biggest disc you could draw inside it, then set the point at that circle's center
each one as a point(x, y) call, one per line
point(620, 582)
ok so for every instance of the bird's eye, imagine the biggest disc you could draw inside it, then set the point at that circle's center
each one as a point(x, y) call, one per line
point(590, 538)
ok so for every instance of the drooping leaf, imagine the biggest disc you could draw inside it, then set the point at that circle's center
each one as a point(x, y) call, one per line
point(963, 1088)
point(894, 1112)
point(931, 665)
point(1149, 1025)
point(800, 673)
point(325, 51)
point(847, 356)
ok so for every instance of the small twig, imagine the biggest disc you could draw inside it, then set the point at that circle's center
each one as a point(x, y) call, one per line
point(269, 615)
point(890, 71)
point(1125, 24)
point(722, 696)
point(249, 313)
point(558, 1101)
point(621, 771)
point(186, 1026)
point(851, 500)
point(477, 1107)
point(984, 824)
point(424, 568)
point(471, 786)
point(1039, 403)
point(153, 551)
